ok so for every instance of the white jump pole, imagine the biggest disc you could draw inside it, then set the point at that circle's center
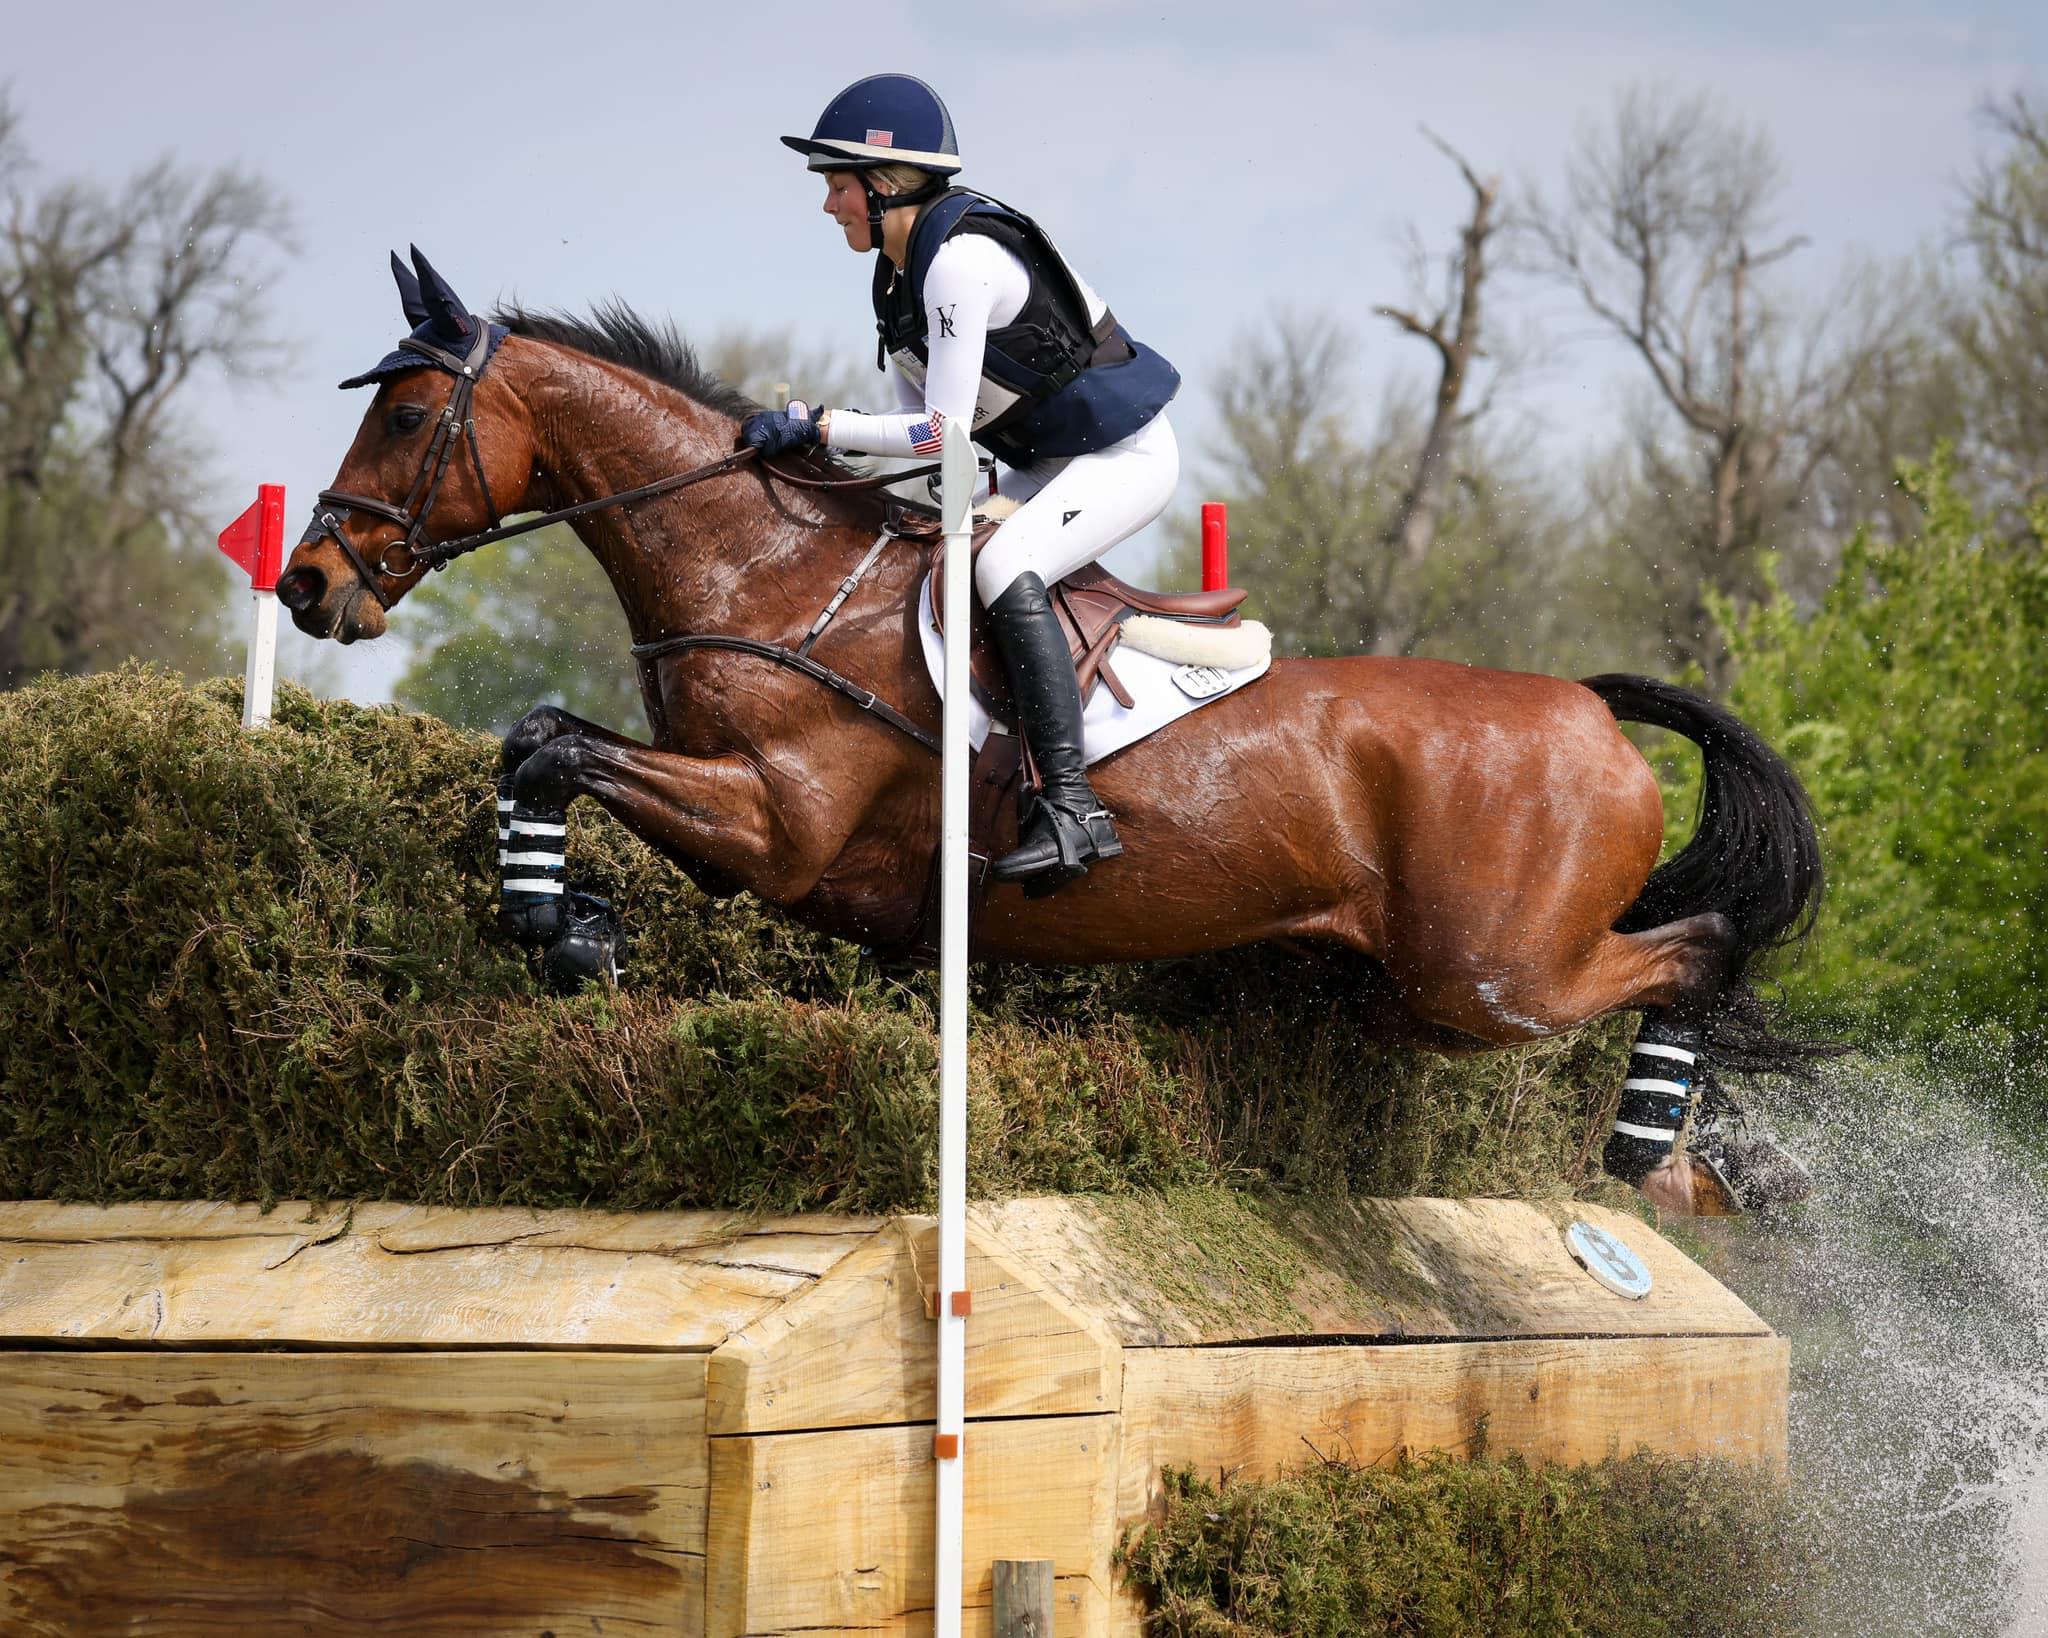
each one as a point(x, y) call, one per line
point(259, 675)
point(956, 478)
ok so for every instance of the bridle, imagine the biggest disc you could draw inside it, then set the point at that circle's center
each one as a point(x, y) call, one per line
point(456, 424)
point(414, 553)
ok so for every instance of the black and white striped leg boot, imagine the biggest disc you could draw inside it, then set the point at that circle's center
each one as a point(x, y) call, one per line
point(532, 868)
point(1664, 1072)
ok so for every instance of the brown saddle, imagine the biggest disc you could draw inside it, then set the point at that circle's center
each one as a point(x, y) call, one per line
point(1092, 605)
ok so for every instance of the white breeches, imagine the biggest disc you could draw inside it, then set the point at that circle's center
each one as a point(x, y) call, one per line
point(1073, 509)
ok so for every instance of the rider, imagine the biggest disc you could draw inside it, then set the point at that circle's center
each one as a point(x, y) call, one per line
point(987, 324)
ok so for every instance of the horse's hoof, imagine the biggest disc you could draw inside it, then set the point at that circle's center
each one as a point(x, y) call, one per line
point(1762, 1174)
point(587, 949)
point(532, 924)
point(1688, 1186)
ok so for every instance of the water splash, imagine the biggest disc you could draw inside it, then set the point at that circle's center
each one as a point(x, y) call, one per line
point(1914, 1287)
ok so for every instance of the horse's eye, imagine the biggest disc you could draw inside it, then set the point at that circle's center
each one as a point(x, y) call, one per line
point(405, 418)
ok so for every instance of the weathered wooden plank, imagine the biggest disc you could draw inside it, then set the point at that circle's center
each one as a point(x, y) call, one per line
point(403, 1276)
point(858, 1347)
point(194, 1493)
point(832, 1532)
point(382, 1275)
point(1261, 1410)
point(1024, 1589)
point(1214, 1268)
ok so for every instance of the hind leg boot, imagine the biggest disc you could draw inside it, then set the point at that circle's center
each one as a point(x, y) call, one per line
point(1664, 1070)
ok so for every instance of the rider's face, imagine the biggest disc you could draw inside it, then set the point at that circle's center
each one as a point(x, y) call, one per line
point(846, 202)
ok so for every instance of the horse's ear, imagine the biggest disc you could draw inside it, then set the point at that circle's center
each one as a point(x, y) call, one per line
point(444, 308)
point(409, 292)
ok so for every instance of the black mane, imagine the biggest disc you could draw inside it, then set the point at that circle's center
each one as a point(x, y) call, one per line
point(616, 333)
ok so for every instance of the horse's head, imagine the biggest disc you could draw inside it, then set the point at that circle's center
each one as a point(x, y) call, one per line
point(442, 450)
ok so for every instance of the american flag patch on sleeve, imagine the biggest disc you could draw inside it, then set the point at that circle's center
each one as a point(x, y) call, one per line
point(925, 435)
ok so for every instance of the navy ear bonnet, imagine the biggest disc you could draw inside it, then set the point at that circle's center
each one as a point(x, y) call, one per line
point(438, 319)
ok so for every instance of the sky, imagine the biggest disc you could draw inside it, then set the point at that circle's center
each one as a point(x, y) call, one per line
point(1203, 164)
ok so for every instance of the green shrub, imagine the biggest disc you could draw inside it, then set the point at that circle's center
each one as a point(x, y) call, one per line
point(1635, 1547)
point(265, 965)
point(1914, 703)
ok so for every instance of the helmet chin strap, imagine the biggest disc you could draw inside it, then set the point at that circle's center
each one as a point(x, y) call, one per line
point(880, 202)
point(876, 206)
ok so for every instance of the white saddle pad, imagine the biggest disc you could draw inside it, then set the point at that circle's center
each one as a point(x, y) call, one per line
point(1161, 692)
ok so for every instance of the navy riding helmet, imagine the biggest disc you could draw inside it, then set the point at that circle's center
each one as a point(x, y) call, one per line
point(885, 119)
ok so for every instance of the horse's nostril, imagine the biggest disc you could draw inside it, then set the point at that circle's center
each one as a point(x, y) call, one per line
point(301, 589)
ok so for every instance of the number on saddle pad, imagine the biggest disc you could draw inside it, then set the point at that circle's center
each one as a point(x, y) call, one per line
point(1198, 682)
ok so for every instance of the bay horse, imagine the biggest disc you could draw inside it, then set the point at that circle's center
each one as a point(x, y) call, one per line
point(1488, 838)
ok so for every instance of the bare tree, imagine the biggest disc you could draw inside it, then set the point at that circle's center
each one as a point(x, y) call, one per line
point(1314, 483)
point(2002, 332)
point(1670, 232)
point(110, 306)
point(1452, 328)
point(1304, 485)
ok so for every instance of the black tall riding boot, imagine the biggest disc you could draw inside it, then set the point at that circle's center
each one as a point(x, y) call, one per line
point(1069, 829)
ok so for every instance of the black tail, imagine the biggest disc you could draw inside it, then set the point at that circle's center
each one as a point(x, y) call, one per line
point(1755, 858)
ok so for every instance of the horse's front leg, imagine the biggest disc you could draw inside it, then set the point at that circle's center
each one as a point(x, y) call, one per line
point(528, 920)
point(542, 725)
point(534, 901)
point(718, 812)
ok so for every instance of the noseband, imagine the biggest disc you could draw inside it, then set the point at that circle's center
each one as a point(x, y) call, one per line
point(456, 423)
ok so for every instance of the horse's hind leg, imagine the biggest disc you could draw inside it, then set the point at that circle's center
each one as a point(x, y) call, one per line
point(1672, 974)
point(1681, 965)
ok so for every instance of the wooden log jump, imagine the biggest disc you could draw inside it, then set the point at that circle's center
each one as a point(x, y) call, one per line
point(439, 1421)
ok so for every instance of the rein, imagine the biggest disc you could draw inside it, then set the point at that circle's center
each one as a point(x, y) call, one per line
point(412, 553)
point(438, 555)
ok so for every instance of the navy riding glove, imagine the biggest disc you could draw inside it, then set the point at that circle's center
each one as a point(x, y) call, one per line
point(773, 431)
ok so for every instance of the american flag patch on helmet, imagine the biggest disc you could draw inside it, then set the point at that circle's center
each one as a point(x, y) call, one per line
point(882, 139)
point(925, 436)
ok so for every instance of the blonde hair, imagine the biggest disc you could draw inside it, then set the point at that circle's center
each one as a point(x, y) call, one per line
point(900, 178)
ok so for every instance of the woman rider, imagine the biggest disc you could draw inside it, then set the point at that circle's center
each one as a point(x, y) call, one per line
point(988, 325)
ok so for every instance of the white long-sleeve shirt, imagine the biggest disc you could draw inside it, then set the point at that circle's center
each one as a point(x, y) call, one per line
point(974, 285)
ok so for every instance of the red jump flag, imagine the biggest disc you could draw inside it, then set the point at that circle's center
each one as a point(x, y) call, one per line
point(256, 538)
point(1215, 555)
point(256, 541)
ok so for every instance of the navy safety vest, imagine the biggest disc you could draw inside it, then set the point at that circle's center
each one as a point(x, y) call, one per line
point(1050, 384)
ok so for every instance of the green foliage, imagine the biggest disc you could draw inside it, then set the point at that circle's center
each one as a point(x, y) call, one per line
point(265, 965)
point(1635, 1547)
point(1914, 705)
